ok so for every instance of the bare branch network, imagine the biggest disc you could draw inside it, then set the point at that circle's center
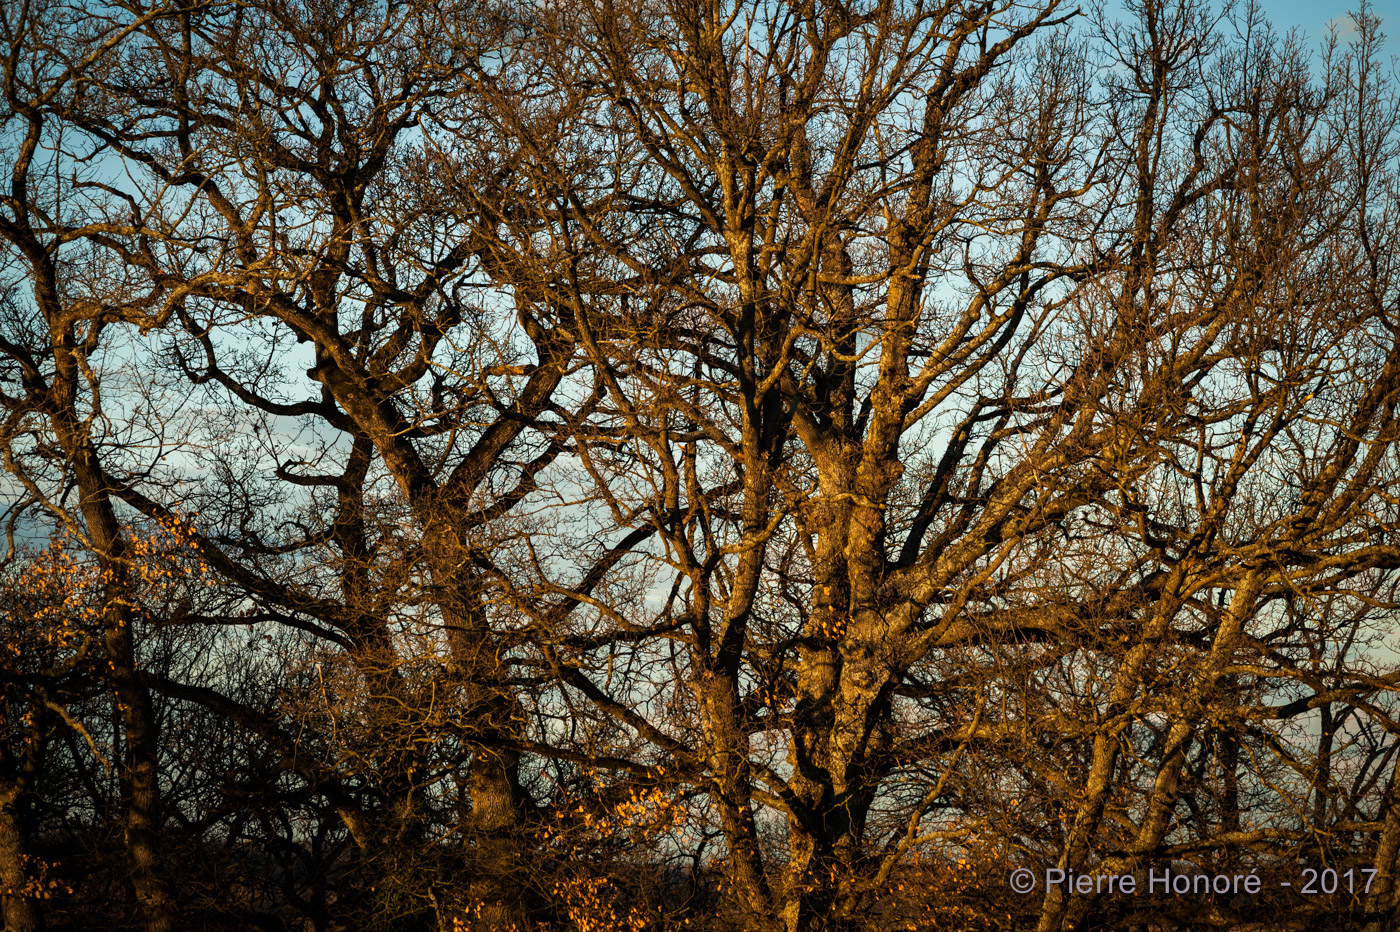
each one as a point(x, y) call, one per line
point(658, 465)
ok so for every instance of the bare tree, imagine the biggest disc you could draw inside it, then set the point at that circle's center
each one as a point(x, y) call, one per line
point(960, 387)
point(788, 453)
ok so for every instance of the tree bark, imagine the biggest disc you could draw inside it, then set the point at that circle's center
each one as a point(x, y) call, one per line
point(21, 911)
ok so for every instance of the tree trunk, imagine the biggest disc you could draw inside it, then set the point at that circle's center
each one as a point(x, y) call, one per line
point(21, 912)
point(140, 786)
point(496, 890)
point(140, 777)
point(1383, 903)
point(497, 885)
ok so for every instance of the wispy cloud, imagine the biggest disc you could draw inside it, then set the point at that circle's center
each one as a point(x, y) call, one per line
point(1344, 26)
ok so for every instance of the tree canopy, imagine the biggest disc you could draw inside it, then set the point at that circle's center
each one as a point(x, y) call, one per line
point(738, 465)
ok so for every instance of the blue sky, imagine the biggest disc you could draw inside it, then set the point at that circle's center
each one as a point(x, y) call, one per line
point(1313, 17)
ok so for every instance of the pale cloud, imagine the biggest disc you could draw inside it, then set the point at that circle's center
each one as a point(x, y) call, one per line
point(1344, 25)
